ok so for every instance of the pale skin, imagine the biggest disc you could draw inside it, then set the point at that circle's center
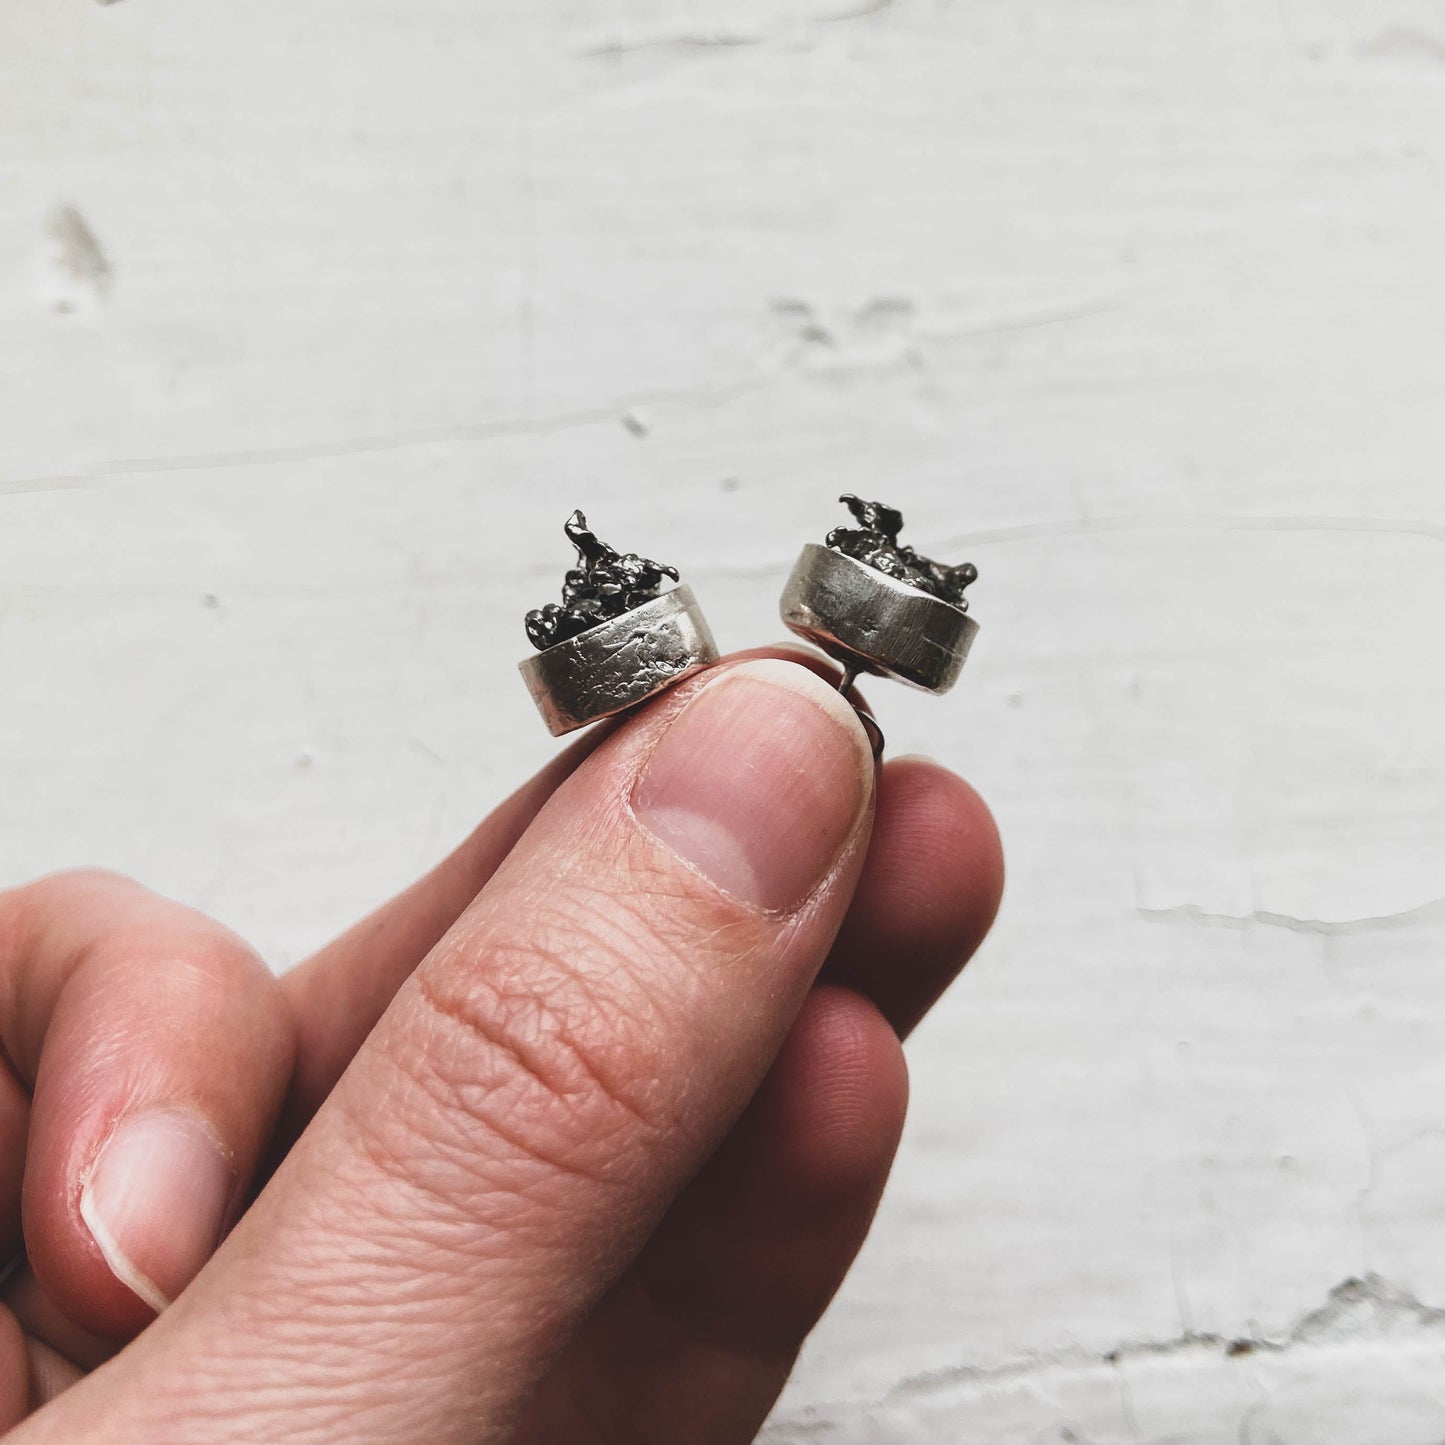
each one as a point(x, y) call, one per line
point(572, 1141)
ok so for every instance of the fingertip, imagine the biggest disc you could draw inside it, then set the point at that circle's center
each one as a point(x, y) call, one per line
point(835, 1101)
point(939, 847)
point(788, 652)
point(165, 1056)
point(14, 1371)
point(155, 1200)
point(49, 1373)
point(41, 1318)
point(760, 784)
point(818, 663)
point(929, 892)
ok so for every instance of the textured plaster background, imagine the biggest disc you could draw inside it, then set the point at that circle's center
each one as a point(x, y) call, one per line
point(315, 321)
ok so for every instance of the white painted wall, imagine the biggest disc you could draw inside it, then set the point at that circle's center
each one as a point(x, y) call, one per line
point(315, 320)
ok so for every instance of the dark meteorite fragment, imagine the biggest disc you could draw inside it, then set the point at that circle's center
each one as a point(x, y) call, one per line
point(604, 585)
point(875, 542)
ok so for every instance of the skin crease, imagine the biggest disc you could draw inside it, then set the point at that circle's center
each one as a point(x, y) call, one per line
point(657, 1288)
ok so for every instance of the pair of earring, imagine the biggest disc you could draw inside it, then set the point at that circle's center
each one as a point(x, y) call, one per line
point(619, 637)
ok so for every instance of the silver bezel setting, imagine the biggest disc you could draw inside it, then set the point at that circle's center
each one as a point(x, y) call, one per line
point(873, 623)
point(621, 663)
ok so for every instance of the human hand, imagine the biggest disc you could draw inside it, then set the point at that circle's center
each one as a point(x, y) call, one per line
point(598, 1167)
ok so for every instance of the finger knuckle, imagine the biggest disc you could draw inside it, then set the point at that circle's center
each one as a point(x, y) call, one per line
point(115, 928)
point(29, 909)
point(552, 1043)
point(65, 889)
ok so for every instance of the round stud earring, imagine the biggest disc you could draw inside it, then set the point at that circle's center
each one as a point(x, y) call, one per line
point(877, 606)
point(615, 640)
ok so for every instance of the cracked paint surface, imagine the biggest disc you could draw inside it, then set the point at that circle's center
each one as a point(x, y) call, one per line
point(1137, 307)
point(1190, 1388)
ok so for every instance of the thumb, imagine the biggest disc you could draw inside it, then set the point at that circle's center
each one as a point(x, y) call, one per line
point(542, 1087)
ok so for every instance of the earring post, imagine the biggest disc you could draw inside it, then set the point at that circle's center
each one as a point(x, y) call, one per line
point(870, 723)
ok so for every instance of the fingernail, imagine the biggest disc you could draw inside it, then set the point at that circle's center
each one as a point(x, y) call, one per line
point(759, 782)
point(155, 1201)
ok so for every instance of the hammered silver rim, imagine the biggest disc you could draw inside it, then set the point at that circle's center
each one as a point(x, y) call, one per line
point(620, 664)
point(874, 623)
